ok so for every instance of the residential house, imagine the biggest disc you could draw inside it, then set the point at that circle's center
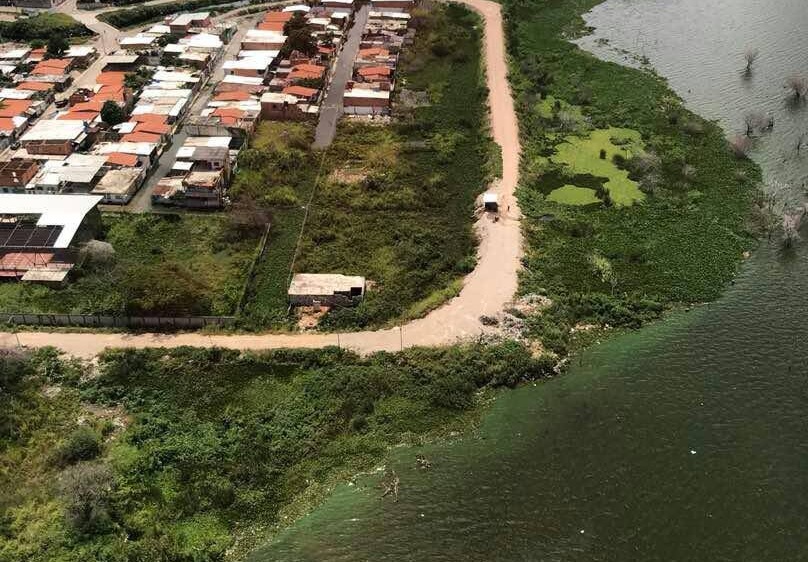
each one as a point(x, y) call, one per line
point(55, 137)
point(119, 185)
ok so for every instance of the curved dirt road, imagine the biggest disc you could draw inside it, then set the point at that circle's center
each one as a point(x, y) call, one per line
point(486, 291)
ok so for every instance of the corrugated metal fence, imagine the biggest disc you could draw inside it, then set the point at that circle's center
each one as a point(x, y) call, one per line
point(102, 321)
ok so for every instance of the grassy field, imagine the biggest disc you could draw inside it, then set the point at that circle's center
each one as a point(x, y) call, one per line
point(163, 264)
point(671, 226)
point(397, 206)
point(190, 455)
point(393, 203)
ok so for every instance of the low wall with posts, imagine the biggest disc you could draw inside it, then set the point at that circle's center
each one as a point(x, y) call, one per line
point(103, 321)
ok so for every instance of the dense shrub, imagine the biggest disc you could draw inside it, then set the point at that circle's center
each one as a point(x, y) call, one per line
point(219, 441)
point(83, 444)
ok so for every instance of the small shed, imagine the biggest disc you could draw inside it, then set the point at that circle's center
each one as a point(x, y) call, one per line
point(313, 289)
point(491, 202)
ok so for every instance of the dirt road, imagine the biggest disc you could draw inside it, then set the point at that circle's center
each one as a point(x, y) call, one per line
point(486, 291)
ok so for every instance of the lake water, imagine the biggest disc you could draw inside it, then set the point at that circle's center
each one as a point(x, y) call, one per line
point(686, 441)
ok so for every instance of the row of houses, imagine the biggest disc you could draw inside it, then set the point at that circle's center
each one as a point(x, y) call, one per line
point(30, 81)
point(386, 33)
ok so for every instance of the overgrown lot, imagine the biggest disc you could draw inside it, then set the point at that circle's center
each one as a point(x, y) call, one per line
point(187, 455)
point(162, 265)
point(596, 258)
point(392, 202)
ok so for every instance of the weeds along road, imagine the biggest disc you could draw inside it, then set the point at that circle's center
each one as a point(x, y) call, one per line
point(486, 290)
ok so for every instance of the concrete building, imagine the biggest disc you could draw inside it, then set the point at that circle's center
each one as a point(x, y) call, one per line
point(310, 289)
point(15, 175)
point(360, 101)
point(55, 137)
point(118, 186)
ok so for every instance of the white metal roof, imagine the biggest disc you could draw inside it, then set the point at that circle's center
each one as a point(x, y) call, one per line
point(138, 40)
point(53, 129)
point(247, 80)
point(262, 35)
point(15, 54)
point(120, 59)
point(67, 211)
point(175, 76)
point(14, 94)
point(363, 93)
point(249, 54)
point(297, 8)
point(248, 63)
point(159, 29)
point(136, 148)
point(79, 51)
point(277, 97)
point(206, 41)
point(210, 142)
point(188, 19)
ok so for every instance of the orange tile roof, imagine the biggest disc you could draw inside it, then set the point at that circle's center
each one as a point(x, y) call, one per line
point(141, 137)
point(35, 86)
point(304, 71)
point(7, 124)
point(300, 91)
point(12, 108)
point(271, 26)
point(153, 128)
point(111, 78)
point(148, 118)
point(375, 71)
point(121, 159)
point(236, 95)
point(373, 52)
point(91, 105)
point(52, 66)
point(229, 112)
point(278, 16)
point(79, 116)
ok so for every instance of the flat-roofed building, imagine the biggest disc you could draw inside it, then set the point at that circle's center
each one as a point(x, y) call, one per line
point(317, 289)
point(54, 137)
point(118, 186)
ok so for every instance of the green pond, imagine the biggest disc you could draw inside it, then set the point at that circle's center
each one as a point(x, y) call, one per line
point(685, 441)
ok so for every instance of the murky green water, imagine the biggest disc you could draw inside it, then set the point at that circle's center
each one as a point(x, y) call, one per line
point(687, 441)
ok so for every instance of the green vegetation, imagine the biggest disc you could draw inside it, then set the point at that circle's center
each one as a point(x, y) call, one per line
point(161, 264)
point(606, 263)
point(572, 195)
point(397, 207)
point(595, 155)
point(392, 202)
point(141, 15)
point(43, 27)
point(187, 455)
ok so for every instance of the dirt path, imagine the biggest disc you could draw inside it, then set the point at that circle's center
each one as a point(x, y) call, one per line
point(486, 291)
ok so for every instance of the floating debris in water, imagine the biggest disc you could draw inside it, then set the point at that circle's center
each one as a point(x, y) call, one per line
point(692, 451)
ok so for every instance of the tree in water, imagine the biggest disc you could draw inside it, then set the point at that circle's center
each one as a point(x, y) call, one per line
point(750, 56)
point(797, 86)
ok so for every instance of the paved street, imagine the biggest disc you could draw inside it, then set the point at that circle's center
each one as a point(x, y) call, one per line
point(331, 108)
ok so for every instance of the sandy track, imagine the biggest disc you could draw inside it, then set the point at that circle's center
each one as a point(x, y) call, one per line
point(486, 290)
